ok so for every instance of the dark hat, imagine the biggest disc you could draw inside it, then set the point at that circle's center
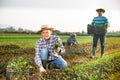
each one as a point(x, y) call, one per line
point(100, 9)
point(45, 27)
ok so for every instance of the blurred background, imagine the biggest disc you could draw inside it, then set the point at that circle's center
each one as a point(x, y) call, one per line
point(63, 15)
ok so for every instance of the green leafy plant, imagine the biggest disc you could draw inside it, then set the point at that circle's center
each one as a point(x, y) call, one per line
point(18, 67)
point(56, 45)
point(18, 64)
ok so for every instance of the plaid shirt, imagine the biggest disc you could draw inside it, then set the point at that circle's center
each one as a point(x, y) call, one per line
point(52, 53)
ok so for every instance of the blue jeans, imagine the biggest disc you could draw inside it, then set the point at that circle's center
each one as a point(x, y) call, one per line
point(95, 40)
point(59, 62)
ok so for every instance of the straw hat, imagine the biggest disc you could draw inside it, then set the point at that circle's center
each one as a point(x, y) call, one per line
point(100, 9)
point(45, 27)
point(73, 35)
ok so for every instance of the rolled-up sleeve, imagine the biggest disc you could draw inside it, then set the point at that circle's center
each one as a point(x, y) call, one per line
point(37, 55)
point(61, 46)
point(38, 59)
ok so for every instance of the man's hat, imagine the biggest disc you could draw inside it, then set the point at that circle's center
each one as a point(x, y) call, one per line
point(45, 27)
point(100, 9)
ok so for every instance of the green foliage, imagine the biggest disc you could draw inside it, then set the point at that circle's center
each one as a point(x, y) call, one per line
point(56, 45)
point(18, 67)
point(96, 69)
point(18, 64)
point(23, 40)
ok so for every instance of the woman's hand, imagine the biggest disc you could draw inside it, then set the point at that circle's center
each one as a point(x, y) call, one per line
point(42, 69)
point(58, 50)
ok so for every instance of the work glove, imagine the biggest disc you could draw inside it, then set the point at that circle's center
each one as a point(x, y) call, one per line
point(42, 69)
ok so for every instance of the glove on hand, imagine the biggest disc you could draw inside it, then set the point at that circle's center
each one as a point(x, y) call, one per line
point(42, 69)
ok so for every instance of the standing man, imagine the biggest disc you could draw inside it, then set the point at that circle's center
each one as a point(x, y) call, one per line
point(47, 50)
point(100, 24)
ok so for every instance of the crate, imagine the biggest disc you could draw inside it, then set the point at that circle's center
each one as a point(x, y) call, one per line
point(90, 29)
point(17, 73)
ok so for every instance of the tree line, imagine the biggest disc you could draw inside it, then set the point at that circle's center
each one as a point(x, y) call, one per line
point(11, 29)
point(20, 30)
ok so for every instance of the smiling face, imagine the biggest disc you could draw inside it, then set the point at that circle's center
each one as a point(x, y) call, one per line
point(46, 34)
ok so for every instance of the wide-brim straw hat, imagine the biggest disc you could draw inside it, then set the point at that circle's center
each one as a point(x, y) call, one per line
point(101, 9)
point(73, 35)
point(45, 27)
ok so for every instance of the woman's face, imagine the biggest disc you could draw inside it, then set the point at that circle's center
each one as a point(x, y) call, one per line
point(46, 34)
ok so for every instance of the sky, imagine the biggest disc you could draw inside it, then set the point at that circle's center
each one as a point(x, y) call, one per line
point(63, 15)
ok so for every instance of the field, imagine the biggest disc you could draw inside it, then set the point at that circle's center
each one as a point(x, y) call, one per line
point(80, 65)
point(24, 39)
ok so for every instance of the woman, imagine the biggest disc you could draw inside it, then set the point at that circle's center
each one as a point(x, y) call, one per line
point(47, 50)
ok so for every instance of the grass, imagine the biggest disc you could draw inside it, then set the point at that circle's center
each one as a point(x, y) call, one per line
point(28, 40)
point(23, 43)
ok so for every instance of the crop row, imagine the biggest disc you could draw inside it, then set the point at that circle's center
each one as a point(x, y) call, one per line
point(98, 69)
point(15, 51)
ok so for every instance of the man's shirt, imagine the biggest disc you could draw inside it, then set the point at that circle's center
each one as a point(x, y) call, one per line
point(100, 21)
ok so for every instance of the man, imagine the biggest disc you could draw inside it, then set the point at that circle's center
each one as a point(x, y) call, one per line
point(47, 50)
point(72, 40)
point(101, 24)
